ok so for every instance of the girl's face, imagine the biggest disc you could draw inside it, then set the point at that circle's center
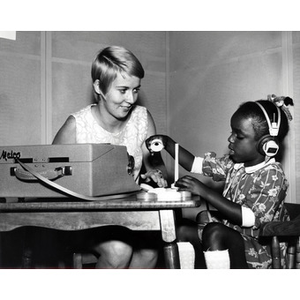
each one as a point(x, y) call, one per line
point(243, 145)
point(122, 95)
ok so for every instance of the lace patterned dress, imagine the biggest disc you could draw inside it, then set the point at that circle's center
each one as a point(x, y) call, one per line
point(132, 135)
point(262, 188)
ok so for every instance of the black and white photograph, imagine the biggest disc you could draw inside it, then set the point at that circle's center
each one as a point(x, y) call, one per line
point(134, 156)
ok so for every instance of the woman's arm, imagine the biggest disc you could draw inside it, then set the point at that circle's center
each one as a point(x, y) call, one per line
point(67, 133)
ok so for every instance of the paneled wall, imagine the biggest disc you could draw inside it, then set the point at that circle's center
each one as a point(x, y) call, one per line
point(211, 73)
point(20, 89)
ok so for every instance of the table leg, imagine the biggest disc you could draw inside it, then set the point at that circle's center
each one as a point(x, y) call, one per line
point(171, 255)
point(168, 232)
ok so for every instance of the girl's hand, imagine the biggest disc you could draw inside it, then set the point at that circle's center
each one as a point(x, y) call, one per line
point(190, 184)
point(157, 176)
point(156, 143)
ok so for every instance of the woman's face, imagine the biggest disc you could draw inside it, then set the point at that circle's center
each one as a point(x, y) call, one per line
point(122, 95)
point(242, 142)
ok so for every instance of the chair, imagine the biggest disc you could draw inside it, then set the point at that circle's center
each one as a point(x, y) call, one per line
point(287, 231)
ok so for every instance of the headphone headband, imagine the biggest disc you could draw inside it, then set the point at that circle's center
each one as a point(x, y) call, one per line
point(273, 127)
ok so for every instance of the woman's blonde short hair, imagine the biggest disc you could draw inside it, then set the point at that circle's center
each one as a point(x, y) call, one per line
point(113, 60)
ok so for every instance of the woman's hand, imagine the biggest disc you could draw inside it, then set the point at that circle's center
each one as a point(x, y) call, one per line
point(190, 184)
point(157, 176)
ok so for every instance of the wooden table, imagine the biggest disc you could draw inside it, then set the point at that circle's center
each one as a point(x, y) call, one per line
point(130, 212)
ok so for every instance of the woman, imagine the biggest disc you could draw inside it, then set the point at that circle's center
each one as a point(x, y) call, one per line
point(116, 119)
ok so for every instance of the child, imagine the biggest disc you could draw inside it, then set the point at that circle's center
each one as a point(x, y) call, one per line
point(254, 190)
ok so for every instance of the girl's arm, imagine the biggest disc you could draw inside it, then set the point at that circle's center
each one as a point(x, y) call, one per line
point(186, 159)
point(230, 210)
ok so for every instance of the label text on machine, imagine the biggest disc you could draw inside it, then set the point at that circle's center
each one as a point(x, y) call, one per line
point(10, 155)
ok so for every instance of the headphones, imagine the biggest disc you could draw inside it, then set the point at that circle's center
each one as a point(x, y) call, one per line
point(268, 144)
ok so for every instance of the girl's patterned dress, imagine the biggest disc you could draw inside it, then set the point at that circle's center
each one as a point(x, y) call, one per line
point(132, 135)
point(262, 188)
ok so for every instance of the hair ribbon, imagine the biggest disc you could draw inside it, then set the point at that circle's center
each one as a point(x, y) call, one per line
point(282, 102)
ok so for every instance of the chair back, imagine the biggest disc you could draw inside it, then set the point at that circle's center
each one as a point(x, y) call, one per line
point(293, 209)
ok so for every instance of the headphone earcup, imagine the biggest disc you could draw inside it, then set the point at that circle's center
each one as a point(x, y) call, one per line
point(267, 145)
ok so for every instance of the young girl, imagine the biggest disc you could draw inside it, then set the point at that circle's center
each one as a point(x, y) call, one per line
point(254, 190)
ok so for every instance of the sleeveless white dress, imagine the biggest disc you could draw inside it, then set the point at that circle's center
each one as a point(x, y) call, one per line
point(132, 135)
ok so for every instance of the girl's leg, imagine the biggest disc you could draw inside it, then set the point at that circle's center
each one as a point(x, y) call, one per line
point(217, 236)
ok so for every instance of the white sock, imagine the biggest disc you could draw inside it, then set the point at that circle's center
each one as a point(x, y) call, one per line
point(218, 259)
point(186, 255)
